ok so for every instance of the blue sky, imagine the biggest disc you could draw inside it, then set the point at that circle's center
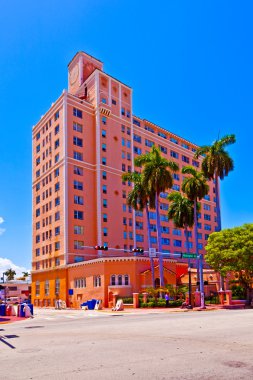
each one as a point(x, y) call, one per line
point(189, 63)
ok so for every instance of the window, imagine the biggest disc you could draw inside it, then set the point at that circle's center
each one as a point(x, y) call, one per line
point(136, 122)
point(78, 214)
point(78, 185)
point(104, 217)
point(77, 141)
point(164, 206)
point(200, 246)
point(177, 243)
point(37, 251)
point(165, 230)
point(37, 148)
point(175, 176)
point(124, 235)
point(190, 245)
point(173, 154)
point(139, 225)
point(37, 225)
point(128, 144)
point(78, 230)
point(163, 149)
point(162, 135)
point(57, 231)
point(97, 281)
point(57, 216)
point(57, 261)
point(195, 163)
point(185, 146)
point(77, 127)
point(137, 150)
point(56, 115)
point(120, 279)
point(152, 215)
point(153, 239)
point(105, 203)
point(57, 246)
point(206, 236)
point(37, 173)
point(123, 111)
point(37, 288)
point(104, 147)
point(57, 201)
point(105, 231)
point(104, 175)
point(37, 161)
point(78, 200)
point(78, 244)
point(78, 170)
point(57, 286)
point(139, 238)
point(103, 100)
point(207, 227)
point(137, 138)
point(77, 113)
point(104, 189)
point(56, 172)
point(185, 159)
point(113, 280)
point(56, 158)
point(78, 156)
point(37, 199)
point(104, 120)
point(114, 102)
point(207, 197)
point(80, 282)
point(38, 136)
point(166, 241)
point(57, 129)
point(199, 235)
point(149, 129)
point(175, 141)
point(177, 232)
point(103, 160)
point(149, 143)
point(176, 187)
point(37, 238)
point(207, 217)
point(123, 167)
point(37, 186)
point(207, 207)
point(56, 144)
point(126, 278)
point(103, 133)
point(57, 186)
point(188, 233)
point(38, 265)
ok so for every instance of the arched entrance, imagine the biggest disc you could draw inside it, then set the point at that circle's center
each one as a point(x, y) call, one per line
point(157, 283)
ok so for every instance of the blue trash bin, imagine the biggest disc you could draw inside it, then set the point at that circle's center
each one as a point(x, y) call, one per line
point(21, 310)
point(2, 310)
point(91, 304)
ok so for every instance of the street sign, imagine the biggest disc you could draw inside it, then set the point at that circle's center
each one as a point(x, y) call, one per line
point(189, 256)
point(152, 252)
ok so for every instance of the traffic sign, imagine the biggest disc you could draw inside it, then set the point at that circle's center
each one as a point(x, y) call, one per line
point(189, 256)
point(152, 252)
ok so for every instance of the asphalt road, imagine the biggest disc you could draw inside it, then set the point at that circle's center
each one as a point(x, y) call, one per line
point(59, 344)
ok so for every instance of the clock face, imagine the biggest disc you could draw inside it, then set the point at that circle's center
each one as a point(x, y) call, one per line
point(74, 74)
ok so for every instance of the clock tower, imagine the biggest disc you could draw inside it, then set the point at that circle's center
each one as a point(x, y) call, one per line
point(79, 69)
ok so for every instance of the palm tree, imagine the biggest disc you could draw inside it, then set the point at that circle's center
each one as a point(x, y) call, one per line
point(182, 212)
point(10, 273)
point(195, 187)
point(216, 165)
point(25, 274)
point(139, 198)
point(157, 177)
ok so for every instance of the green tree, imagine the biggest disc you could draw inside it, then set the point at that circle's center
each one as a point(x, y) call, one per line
point(157, 178)
point(181, 211)
point(10, 273)
point(139, 198)
point(216, 165)
point(195, 187)
point(231, 250)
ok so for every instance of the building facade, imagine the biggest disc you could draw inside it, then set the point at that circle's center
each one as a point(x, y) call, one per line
point(81, 147)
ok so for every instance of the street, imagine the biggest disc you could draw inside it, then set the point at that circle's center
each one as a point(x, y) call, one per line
point(75, 344)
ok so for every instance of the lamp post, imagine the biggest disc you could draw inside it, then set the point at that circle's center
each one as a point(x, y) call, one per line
point(2, 278)
point(190, 284)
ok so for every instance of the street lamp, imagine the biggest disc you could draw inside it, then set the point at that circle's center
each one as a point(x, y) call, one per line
point(190, 285)
point(2, 278)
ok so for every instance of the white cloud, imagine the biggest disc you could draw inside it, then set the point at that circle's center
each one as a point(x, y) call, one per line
point(6, 264)
point(1, 220)
point(2, 230)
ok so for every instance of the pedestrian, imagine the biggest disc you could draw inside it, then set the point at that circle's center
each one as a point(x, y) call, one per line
point(167, 299)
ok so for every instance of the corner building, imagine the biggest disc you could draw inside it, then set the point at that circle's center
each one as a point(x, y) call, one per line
point(81, 147)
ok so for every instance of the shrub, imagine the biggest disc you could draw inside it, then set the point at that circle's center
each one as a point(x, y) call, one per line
point(127, 300)
point(144, 304)
point(151, 304)
point(161, 303)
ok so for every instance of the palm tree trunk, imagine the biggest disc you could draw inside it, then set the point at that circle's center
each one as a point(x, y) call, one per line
point(159, 242)
point(189, 265)
point(200, 260)
point(196, 235)
point(149, 246)
point(217, 196)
